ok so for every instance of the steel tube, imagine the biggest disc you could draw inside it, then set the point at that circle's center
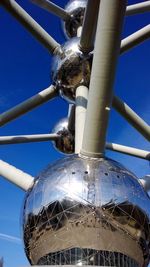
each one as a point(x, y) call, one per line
point(89, 26)
point(18, 139)
point(131, 117)
point(31, 25)
point(135, 39)
point(28, 105)
point(16, 176)
point(49, 6)
point(138, 8)
point(79, 31)
point(80, 114)
point(129, 150)
point(106, 52)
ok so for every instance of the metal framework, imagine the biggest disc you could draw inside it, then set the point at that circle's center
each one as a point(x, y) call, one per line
point(90, 113)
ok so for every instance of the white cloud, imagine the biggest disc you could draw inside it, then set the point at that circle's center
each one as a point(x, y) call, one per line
point(10, 238)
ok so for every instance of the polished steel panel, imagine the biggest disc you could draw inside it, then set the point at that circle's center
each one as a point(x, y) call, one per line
point(71, 70)
point(87, 212)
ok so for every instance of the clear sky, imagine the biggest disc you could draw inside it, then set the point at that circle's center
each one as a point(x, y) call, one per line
point(24, 71)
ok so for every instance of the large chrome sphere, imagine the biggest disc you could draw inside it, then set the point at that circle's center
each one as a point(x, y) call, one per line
point(66, 143)
point(87, 212)
point(76, 9)
point(71, 70)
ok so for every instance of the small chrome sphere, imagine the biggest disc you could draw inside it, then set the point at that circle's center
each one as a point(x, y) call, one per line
point(76, 9)
point(71, 70)
point(66, 143)
point(87, 212)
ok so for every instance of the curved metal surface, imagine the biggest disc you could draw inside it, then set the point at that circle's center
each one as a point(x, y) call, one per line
point(66, 143)
point(76, 10)
point(87, 212)
point(71, 70)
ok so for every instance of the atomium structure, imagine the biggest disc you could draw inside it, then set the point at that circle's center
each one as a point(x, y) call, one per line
point(84, 209)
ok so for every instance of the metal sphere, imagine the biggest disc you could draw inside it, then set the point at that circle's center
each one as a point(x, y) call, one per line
point(87, 212)
point(71, 70)
point(76, 9)
point(66, 143)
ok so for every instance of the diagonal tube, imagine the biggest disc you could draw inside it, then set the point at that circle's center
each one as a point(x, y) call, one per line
point(126, 44)
point(31, 25)
point(16, 176)
point(135, 39)
point(89, 26)
point(19, 139)
point(28, 105)
point(51, 7)
point(131, 117)
point(106, 52)
point(138, 8)
point(139, 153)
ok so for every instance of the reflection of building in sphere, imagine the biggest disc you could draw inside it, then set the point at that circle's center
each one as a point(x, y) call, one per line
point(66, 143)
point(71, 70)
point(76, 9)
point(87, 212)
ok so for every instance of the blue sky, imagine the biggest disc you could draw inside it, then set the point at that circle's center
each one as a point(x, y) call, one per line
point(24, 71)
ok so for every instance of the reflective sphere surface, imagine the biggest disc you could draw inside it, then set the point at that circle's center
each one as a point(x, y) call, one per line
point(76, 9)
point(71, 70)
point(87, 212)
point(66, 143)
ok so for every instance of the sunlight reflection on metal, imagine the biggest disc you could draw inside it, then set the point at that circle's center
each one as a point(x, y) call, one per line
point(92, 211)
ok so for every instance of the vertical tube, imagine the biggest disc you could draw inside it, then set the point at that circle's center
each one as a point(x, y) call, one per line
point(106, 52)
point(80, 110)
point(80, 114)
point(89, 26)
point(79, 30)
